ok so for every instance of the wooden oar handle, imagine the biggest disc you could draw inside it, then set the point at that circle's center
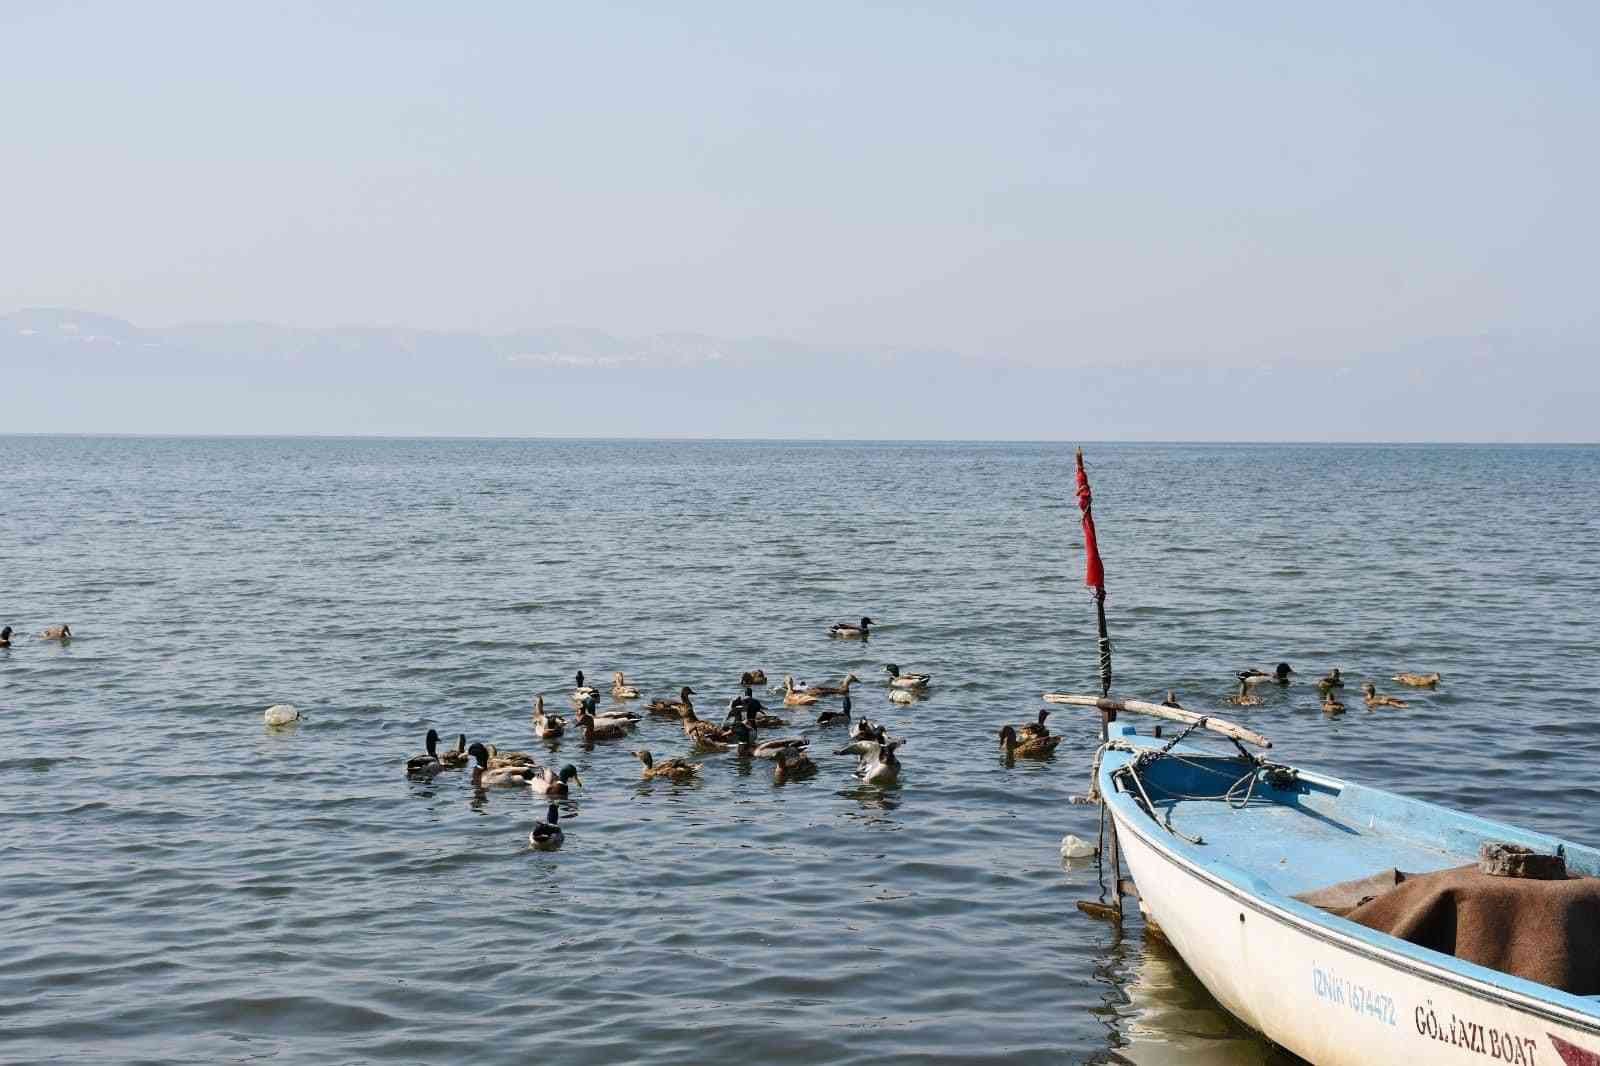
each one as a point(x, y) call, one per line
point(1220, 726)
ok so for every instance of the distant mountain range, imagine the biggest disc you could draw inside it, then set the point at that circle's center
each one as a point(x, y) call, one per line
point(93, 335)
point(78, 371)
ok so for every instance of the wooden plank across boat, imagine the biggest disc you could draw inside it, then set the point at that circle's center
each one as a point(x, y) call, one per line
point(1220, 845)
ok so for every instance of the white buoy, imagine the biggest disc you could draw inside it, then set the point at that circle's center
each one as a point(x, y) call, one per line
point(1073, 848)
point(281, 714)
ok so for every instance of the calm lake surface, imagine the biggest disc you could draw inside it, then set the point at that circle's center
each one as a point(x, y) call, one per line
point(179, 883)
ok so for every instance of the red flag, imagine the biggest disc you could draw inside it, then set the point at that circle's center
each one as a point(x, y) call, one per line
point(1094, 572)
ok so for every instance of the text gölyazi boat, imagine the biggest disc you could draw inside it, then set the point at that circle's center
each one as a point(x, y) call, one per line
point(1328, 989)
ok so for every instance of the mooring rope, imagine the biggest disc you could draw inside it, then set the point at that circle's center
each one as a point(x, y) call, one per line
point(1105, 666)
point(1237, 795)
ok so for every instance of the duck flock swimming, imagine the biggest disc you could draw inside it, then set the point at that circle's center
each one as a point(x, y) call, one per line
point(740, 730)
point(1328, 685)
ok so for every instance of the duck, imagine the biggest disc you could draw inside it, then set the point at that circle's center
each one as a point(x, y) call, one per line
point(626, 719)
point(592, 729)
point(878, 765)
point(751, 745)
point(1244, 697)
point(427, 764)
point(711, 742)
point(791, 764)
point(839, 717)
point(486, 776)
point(1172, 701)
point(1331, 680)
point(547, 726)
point(61, 632)
point(620, 689)
point(842, 688)
point(1418, 680)
point(546, 782)
point(278, 714)
point(849, 631)
point(795, 697)
point(499, 759)
point(858, 748)
point(662, 705)
point(547, 835)
point(753, 677)
point(1331, 706)
point(674, 769)
point(1037, 729)
point(583, 691)
point(1033, 746)
point(771, 749)
point(755, 717)
point(866, 729)
point(5, 637)
point(903, 695)
point(1252, 676)
point(701, 732)
point(899, 680)
point(1369, 693)
point(746, 701)
point(456, 759)
point(743, 739)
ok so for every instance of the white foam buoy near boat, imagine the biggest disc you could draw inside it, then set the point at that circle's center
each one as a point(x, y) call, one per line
point(281, 714)
point(1073, 848)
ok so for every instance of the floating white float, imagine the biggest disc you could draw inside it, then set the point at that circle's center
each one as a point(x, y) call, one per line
point(1073, 848)
point(281, 714)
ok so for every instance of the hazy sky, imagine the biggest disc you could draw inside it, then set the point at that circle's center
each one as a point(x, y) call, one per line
point(1051, 181)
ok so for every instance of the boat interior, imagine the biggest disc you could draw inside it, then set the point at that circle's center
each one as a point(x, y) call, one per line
point(1304, 832)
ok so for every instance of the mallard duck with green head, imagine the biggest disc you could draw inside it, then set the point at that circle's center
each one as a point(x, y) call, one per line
point(909, 681)
point(547, 835)
point(486, 776)
point(851, 630)
point(1279, 675)
point(547, 782)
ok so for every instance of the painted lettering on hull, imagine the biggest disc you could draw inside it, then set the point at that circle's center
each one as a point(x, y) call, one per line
point(1498, 1045)
point(1339, 991)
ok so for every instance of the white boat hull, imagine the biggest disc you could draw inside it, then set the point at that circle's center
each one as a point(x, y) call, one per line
point(1330, 998)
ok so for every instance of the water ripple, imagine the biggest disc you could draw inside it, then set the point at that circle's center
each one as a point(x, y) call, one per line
point(184, 884)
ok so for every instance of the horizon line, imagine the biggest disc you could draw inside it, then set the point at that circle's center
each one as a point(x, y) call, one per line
point(576, 438)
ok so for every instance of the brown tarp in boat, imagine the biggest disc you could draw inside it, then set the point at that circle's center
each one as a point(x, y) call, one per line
point(1544, 931)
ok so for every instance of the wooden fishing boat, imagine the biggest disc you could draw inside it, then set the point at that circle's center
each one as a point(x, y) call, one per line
point(1345, 923)
point(1221, 844)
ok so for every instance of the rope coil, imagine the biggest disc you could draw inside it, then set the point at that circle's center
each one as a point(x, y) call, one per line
point(1237, 795)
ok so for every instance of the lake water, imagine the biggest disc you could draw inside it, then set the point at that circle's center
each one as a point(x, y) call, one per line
point(180, 884)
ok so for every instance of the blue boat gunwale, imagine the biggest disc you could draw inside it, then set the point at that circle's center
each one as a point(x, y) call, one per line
point(1253, 892)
